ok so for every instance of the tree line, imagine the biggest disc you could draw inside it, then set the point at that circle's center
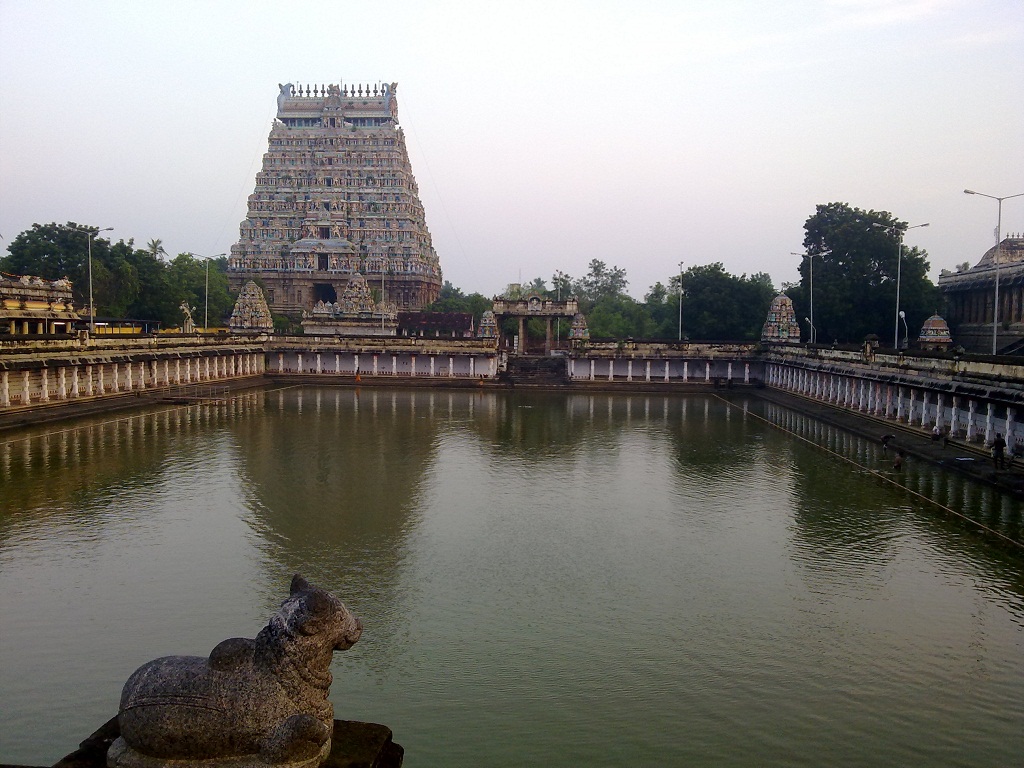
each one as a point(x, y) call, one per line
point(853, 256)
point(127, 282)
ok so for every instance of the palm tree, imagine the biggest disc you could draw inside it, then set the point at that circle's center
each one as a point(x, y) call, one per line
point(156, 248)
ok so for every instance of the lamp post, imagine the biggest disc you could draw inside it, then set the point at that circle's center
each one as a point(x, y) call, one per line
point(92, 309)
point(810, 320)
point(680, 301)
point(558, 321)
point(906, 333)
point(999, 232)
point(206, 309)
point(899, 265)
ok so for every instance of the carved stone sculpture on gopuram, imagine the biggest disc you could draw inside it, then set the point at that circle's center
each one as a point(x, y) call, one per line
point(250, 703)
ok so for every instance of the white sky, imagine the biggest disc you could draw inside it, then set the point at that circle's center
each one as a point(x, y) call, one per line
point(542, 134)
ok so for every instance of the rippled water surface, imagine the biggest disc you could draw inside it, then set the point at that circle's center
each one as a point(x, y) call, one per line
point(544, 580)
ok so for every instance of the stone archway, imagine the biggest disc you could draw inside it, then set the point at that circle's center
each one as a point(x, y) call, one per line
point(531, 306)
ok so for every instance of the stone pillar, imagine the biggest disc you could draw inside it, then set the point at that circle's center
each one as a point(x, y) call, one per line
point(432, 372)
point(666, 371)
point(611, 369)
point(206, 368)
point(1011, 425)
point(954, 416)
point(451, 367)
point(300, 362)
point(115, 378)
point(375, 365)
point(394, 365)
point(971, 410)
point(62, 383)
point(899, 403)
point(746, 373)
point(129, 383)
point(707, 371)
point(89, 381)
point(319, 364)
point(989, 426)
point(26, 388)
point(940, 419)
point(74, 382)
point(5, 389)
point(913, 406)
point(521, 349)
point(591, 369)
point(337, 363)
point(280, 362)
point(629, 370)
point(924, 408)
point(412, 364)
point(547, 338)
point(728, 371)
point(647, 371)
point(686, 371)
point(44, 386)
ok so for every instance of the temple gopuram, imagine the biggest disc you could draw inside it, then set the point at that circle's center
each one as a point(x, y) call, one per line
point(970, 298)
point(336, 197)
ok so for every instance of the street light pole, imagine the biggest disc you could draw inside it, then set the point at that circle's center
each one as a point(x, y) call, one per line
point(899, 265)
point(810, 320)
point(680, 301)
point(92, 309)
point(999, 239)
point(206, 309)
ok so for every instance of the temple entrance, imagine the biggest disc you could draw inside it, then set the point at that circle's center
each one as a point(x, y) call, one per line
point(534, 306)
point(324, 292)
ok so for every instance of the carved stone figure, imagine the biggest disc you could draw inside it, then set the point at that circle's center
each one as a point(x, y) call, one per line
point(188, 325)
point(250, 703)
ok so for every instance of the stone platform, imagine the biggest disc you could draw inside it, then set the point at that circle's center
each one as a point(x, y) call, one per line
point(353, 745)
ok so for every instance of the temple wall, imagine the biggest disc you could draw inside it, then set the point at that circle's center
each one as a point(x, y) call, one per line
point(970, 400)
point(54, 371)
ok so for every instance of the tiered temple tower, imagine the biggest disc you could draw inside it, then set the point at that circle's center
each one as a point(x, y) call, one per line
point(335, 197)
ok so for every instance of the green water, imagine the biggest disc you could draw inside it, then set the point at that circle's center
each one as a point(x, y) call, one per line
point(544, 580)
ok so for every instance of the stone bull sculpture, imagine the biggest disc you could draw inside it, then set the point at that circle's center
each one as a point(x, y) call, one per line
point(250, 703)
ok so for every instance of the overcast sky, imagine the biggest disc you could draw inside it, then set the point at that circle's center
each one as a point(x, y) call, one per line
point(542, 134)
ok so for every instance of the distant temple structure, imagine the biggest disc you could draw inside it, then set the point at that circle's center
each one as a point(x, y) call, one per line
point(251, 313)
point(32, 305)
point(935, 335)
point(336, 197)
point(970, 298)
point(781, 327)
point(354, 314)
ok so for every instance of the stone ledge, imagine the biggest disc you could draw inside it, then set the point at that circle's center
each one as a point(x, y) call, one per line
point(353, 745)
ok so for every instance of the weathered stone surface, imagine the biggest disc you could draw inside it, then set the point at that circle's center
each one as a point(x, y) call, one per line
point(250, 703)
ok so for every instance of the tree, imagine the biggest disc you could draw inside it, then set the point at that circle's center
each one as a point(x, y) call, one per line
point(601, 282)
point(856, 261)
point(718, 306)
point(156, 248)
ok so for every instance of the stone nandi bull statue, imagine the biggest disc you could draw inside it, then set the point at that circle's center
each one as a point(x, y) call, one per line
point(251, 703)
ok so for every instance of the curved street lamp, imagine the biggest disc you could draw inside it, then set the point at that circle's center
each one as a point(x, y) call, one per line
point(92, 309)
point(999, 239)
point(906, 333)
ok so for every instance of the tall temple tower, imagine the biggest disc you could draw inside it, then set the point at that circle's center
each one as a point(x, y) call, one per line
point(335, 197)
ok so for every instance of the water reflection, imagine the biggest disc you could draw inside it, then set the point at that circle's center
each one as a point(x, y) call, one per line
point(669, 580)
